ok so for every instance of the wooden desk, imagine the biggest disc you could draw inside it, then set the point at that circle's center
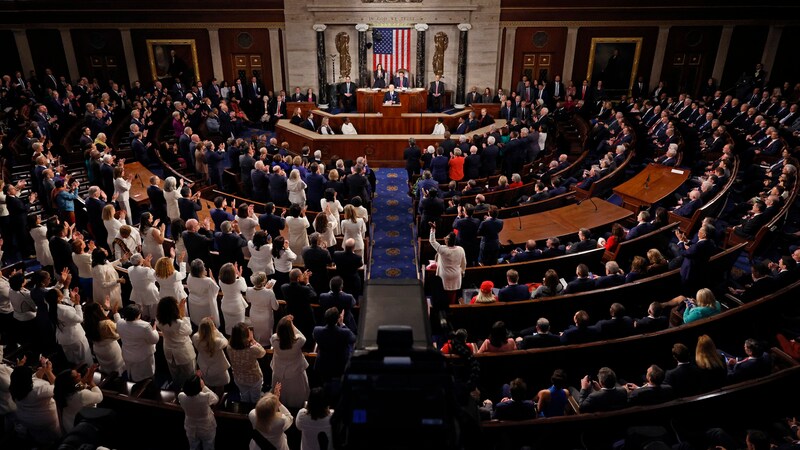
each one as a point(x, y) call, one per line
point(411, 100)
point(390, 123)
point(139, 186)
point(493, 109)
point(561, 221)
point(305, 107)
point(660, 181)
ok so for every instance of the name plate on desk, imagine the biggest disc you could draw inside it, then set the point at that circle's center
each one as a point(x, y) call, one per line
point(677, 171)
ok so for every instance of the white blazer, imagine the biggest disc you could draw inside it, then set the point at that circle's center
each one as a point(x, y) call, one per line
point(143, 285)
point(70, 331)
point(139, 339)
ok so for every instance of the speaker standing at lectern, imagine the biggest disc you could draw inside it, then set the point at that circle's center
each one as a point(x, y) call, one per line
point(391, 96)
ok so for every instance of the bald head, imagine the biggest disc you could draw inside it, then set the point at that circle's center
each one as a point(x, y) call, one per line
point(192, 225)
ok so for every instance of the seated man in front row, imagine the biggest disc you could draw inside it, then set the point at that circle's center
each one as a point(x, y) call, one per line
point(391, 96)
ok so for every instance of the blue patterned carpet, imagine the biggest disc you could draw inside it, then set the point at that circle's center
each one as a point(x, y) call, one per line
point(393, 253)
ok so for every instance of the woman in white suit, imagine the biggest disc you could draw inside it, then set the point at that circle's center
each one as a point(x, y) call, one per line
point(172, 192)
point(288, 363)
point(105, 278)
point(177, 330)
point(261, 254)
point(144, 291)
point(122, 187)
point(263, 306)
point(451, 263)
point(139, 344)
point(102, 331)
point(68, 324)
point(112, 224)
point(40, 243)
point(211, 359)
point(170, 281)
point(203, 292)
point(233, 303)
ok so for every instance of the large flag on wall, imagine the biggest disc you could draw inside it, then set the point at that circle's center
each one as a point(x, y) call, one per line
point(392, 50)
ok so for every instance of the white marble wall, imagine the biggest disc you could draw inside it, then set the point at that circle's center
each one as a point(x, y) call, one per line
point(441, 15)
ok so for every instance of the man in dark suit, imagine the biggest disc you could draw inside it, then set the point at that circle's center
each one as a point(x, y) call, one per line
point(763, 283)
point(683, 378)
point(688, 208)
point(299, 296)
point(334, 345)
point(357, 184)
point(297, 96)
point(467, 234)
point(757, 219)
point(541, 338)
point(246, 165)
point(139, 149)
point(229, 243)
point(653, 392)
point(277, 111)
point(584, 92)
point(516, 405)
point(401, 81)
point(317, 259)
point(198, 240)
point(347, 92)
point(158, 204)
point(308, 124)
point(603, 394)
point(583, 281)
point(342, 301)
point(94, 209)
point(436, 94)
point(584, 243)
point(619, 325)
point(270, 222)
point(348, 264)
point(694, 267)
point(252, 94)
point(613, 277)
point(278, 187)
point(758, 363)
point(473, 96)
point(107, 175)
point(642, 227)
point(489, 157)
point(558, 89)
point(61, 249)
point(513, 291)
point(489, 231)
point(639, 88)
point(580, 332)
point(391, 96)
point(653, 321)
point(412, 157)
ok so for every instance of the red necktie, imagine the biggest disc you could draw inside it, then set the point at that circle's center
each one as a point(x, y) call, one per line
point(437, 87)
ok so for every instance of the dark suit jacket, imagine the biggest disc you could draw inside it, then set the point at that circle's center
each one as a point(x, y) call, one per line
point(602, 400)
point(390, 96)
point(198, 245)
point(607, 281)
point(750, 227)
point(759, 288)
point(579, 285)
point(278, 189)
point(539, 340)
point(94, 209)
point(514, 292)
point(683, 379)
point(648, 324)
point(188, 208)
point(575, 335)
point(299, 299)
point(639, 230)
point(750, 368)
point(342, 301)
point(61, 250)
point(614, 328)
point(308, 125)
point(582, 246)
point(347, 265)
point(489, 230)
point(229, 246)
point(688, 208)
point(272, 224)
point(333, 350)
point(316, 260)
point(358, 185)
point(695, 261)
point(651, 395)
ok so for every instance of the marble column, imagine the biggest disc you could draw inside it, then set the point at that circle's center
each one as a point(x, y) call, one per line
point(420, 78)
point(569, 57)
point(722, 52)
point(275, 56)
point(506, 70)
point(658, 59)
point(322, 65)
point(24, 50)
point(461, 88)
point(363, 73)
point(130, 59)
point(771, 48)
point(69, 54)
point(216, 53)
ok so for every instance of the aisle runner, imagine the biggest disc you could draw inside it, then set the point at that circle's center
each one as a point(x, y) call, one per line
point(393, 253)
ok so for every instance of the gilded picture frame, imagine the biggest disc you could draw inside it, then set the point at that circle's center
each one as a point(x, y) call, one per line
point(161, 66)
point(615, 61)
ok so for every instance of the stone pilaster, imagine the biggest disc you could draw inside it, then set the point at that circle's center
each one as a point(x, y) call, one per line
point(461, 88)
point(363, 73)
point(322, 65)
point(420, 78)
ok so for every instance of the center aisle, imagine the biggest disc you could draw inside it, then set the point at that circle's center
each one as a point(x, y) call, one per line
point(393, 251)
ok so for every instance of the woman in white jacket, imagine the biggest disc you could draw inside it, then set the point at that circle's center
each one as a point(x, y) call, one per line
point(144, 291)
point(68, 321)
point(203, 292)
point(271, 420)
point(283, 258)
point(210, 345)
point(172, 192)
point(288, 363)
point(122, 187)
point(139, 344)
point(170, 281)
point(200, 423)
point(102, 331)
point(105, 278)
point(261, 253)
point(233, 303)
point(112, 224)
point(73, 392)
point(176, 329)
point(263, 306)
point(332, 208)
point(40, 243)
point(297, 188)
point(451, 263)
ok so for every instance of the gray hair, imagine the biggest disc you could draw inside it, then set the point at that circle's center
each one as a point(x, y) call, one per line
point(136, 259)
point(318, 154)
point(491, 140)
point(170, 184)
point(258, 279)
point(226, 227)
point(612, 267)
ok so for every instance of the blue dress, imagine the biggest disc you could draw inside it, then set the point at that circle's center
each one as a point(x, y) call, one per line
point(557, 404)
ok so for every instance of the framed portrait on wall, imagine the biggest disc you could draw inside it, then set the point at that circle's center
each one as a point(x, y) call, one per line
point(173, 58)
point(615, 61)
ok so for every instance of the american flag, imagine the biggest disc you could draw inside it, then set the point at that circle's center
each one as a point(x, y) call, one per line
point(393, 51)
